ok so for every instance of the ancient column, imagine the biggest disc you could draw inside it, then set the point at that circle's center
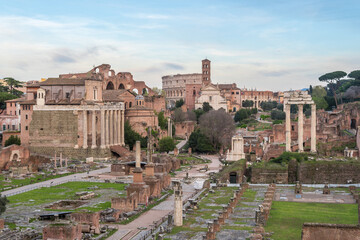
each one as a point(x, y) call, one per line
point(313, 128)
point(107, 128)
point(102, 123)
point(301, 127)
point(138, 154)
point(169, 128)
point(287, 127)
point(66, 160)
point(119, 126)
point(111, 126)
point(93, 129)
point(85, 129)
point(61, 165)
point(115, 127)
point(122, 127)
point(178, 211)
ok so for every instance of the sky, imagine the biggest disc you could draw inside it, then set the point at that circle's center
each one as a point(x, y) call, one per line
point(268, 45)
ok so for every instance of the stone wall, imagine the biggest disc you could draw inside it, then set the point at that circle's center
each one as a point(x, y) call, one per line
point(331, 172)
point(53, 129)
point(264, 175)
point(89, 219)
point(312, 231)
point(184, 129)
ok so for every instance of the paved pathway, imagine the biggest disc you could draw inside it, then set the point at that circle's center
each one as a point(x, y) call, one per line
point(53, 182)
point(145, 220)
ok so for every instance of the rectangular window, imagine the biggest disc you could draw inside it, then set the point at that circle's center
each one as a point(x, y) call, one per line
point(13, 127)
point(210, 98)
point(26, 116)
point(237, 93)
point(26, 128)
point(4, 127)
point(232, 92)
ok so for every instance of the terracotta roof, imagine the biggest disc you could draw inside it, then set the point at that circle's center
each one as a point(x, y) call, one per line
point(114, 95)
point(32, 102)
point(63, 81)
point(227, 86)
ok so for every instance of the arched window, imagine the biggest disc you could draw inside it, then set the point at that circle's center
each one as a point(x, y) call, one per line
point(130, 104)
point(121, 86)
point(110, 86)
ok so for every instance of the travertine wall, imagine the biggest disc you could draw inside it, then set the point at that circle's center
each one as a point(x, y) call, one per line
point(62, 231)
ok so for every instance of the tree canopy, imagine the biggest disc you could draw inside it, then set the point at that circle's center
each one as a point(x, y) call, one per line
point(355, 74)
point(218, 126)
point(333, 79)
point(131, 136)
point(248, 103)
point(206, 107)
point(3, 202)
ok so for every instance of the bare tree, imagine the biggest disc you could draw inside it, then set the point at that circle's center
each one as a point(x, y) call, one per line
point(218, 126)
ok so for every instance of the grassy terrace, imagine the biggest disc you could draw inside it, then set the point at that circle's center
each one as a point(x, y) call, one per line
point(208, 206)
point(286, 218)
point(14, 183)
point(62, 192)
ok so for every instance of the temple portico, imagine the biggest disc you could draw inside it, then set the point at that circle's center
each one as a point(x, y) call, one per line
point(299, 98)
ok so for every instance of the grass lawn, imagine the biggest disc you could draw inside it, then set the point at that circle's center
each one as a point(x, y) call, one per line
point(22, 182)
point(286, 218)
point(59, 192)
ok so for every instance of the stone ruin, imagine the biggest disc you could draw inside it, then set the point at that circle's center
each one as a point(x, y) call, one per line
point(237, 149)
point(299, 98)
point(326, 189)
point(298, 188)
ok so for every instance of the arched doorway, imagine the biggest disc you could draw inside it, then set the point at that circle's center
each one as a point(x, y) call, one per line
point(353, 124)
point(110, 86)
point(121, 86)
point(233, 177)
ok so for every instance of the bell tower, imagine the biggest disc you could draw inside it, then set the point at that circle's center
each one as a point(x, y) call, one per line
point(206, 71)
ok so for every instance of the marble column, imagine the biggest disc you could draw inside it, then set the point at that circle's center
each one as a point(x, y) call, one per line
point(122, 127)
point(107, 128)
point(93, 129)
point(119, 127)
point(301, 127)
point(313, 128)
point(61, 164)
point(102, 123)
point(85, 135)
point(287, 127)
point(111, 128)
point(116, 132)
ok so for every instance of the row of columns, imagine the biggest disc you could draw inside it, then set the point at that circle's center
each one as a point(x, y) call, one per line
point(300, 127)
point(111, 128)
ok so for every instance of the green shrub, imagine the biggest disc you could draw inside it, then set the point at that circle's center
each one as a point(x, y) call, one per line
point(166, 144)
point(12, 140)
